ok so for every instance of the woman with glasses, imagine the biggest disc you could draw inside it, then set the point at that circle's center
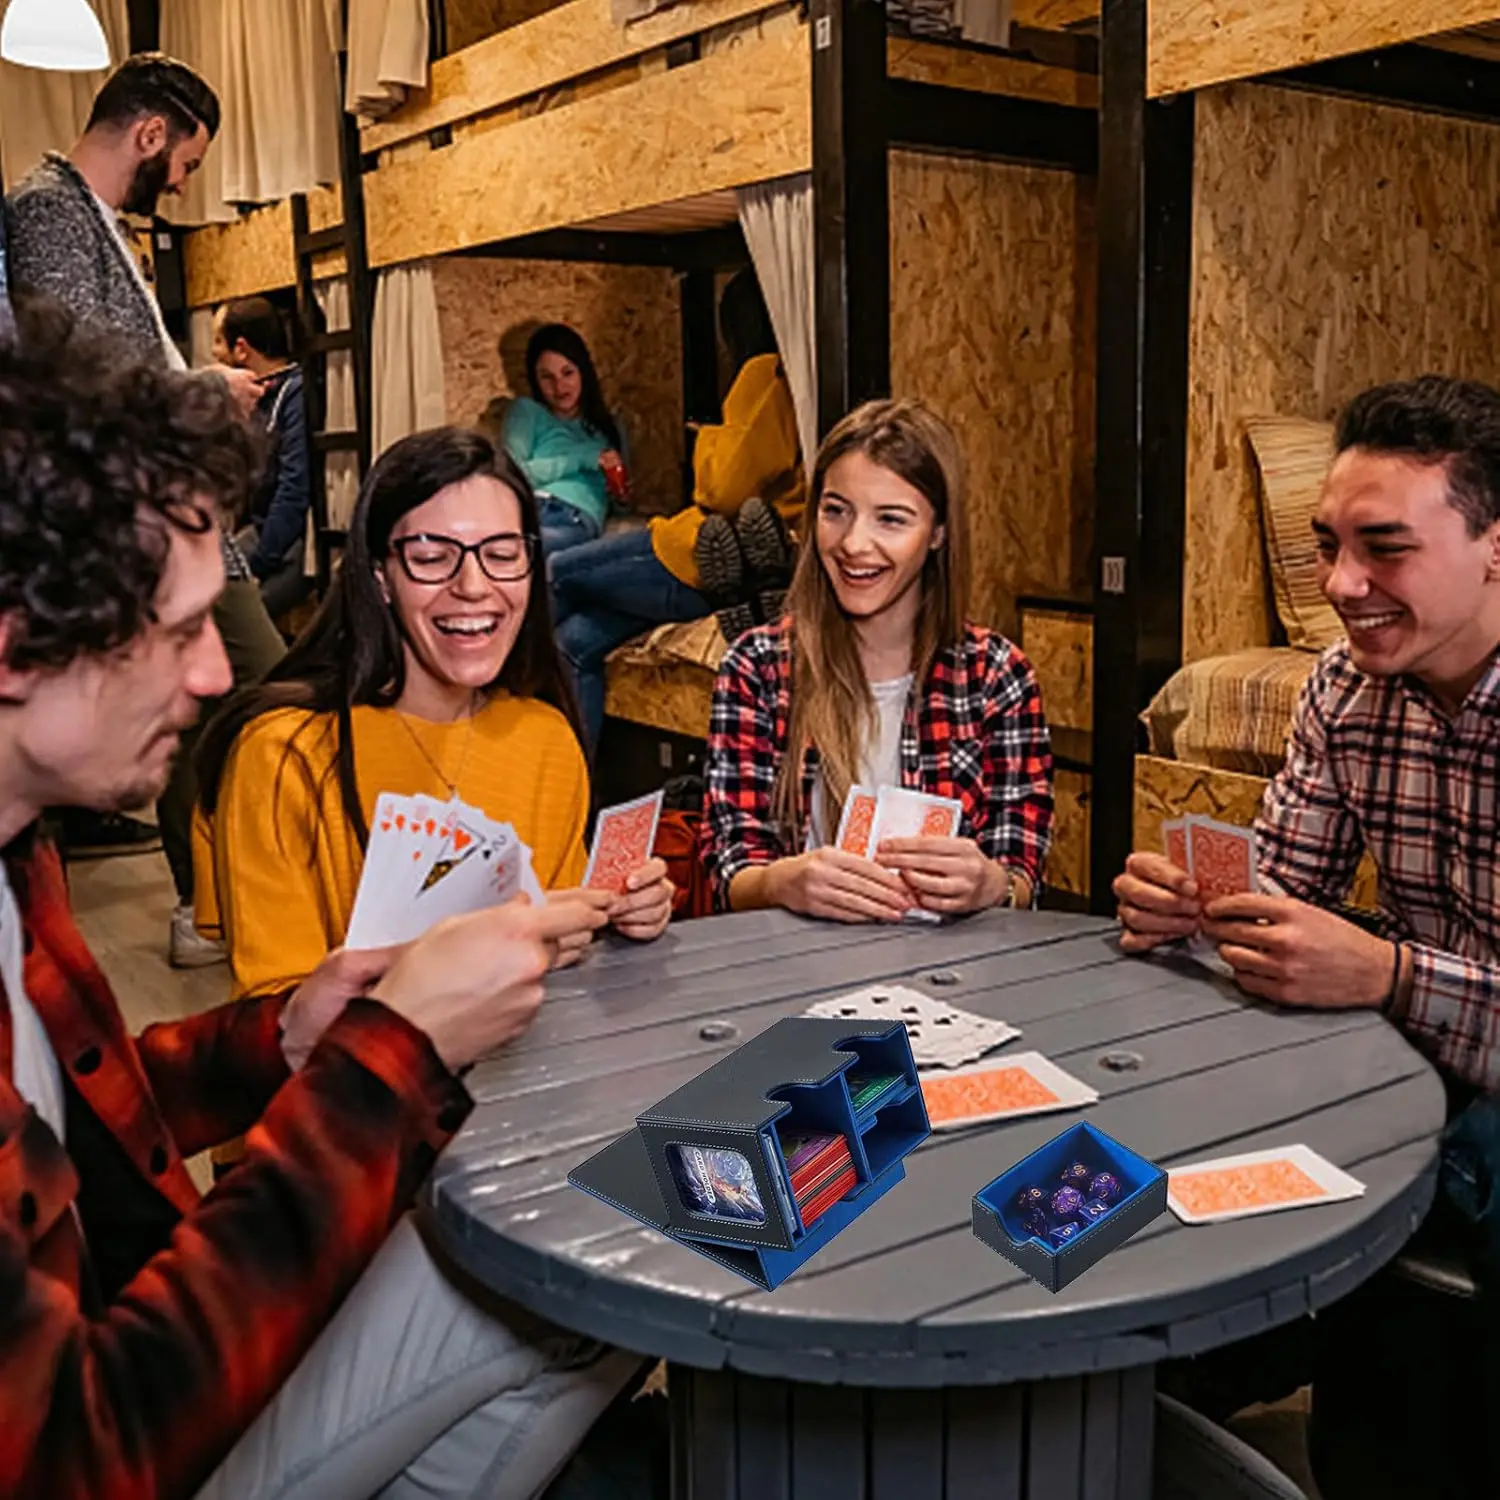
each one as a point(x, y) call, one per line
point(429, 670)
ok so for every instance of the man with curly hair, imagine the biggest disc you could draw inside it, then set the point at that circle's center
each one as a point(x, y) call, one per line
point(289, 1335)
point(149, 128)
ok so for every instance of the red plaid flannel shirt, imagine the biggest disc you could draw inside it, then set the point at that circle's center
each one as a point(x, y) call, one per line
point(976, 732)
point(142, 1399)
point(1374, 763)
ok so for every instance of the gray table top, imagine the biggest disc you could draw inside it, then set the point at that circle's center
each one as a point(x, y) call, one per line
point(907, 1295)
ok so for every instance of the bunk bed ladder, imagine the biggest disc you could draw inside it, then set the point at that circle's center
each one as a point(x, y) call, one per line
point(318, 342)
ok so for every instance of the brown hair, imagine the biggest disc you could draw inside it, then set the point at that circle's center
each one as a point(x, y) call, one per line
point(832, 706)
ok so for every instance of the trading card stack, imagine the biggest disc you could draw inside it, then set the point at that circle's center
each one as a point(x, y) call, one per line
point(821, 1172)
point(868, 1091)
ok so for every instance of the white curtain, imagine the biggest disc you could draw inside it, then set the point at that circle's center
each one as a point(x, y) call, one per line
point(777, 218)
point(388, 53)
point(274, 66)
point(406, 357)
point(45, 111)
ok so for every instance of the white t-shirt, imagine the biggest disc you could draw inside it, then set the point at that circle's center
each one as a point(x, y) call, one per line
point(881, 763)
point(34, 1069)
point(175, 361)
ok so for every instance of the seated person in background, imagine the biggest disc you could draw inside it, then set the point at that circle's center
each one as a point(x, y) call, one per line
point(1393, 749)
point(430, 669)
point(257, 1343)
point(249, 334)
point(564, 439)
point(875, 676)
point(607, 591)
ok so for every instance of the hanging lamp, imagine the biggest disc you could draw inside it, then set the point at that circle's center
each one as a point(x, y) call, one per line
point(62, 36)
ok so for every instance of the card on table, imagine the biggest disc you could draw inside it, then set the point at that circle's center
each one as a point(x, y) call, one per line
point(941, 1035)
point(857, 822)
point(1257, 1182)
point(1026, 1084)
point(624, 837)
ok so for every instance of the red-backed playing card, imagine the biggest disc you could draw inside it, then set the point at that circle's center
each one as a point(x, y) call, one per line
point(1222, 858)
point(623, 840)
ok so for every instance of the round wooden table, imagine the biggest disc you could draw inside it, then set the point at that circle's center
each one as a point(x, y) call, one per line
point(907, 1361)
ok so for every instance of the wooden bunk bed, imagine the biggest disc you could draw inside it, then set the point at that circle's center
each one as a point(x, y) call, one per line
point(953, 212)
point(1296, 202)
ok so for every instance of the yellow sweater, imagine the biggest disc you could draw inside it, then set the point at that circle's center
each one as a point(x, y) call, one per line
point(278, 867)
point(752, 452)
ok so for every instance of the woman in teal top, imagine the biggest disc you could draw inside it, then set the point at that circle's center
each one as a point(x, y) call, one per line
point(565, 439)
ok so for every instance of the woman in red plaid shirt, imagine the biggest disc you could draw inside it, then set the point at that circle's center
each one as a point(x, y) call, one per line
point(876, 677)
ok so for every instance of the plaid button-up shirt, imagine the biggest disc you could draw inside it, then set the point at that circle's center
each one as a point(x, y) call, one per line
point(974, 731)
point(1375, 763)
point(140, 1399)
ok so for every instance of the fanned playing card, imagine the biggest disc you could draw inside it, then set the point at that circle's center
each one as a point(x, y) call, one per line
point(901, 813)
point(1175, 842)
point(427, 860)
point(624, 837)
point(1222, 857)
point(941, 1035)
point(1257, 1182)
point(1002, 1089)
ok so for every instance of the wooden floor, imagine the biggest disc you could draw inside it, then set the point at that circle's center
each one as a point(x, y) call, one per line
point(124, 906)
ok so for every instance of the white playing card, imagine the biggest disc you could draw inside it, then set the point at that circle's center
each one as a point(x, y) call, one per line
point(624, 837)
point(1002, 1088)
point(1257, 1182)
point(940, 1034)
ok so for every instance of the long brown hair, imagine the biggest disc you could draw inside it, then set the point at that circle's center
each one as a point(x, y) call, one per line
point(832, 707)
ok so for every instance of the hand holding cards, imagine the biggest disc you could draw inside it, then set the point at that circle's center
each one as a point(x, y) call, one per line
point(1223, 860)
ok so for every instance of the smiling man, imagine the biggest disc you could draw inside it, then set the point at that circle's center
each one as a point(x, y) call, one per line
point(1395, 748)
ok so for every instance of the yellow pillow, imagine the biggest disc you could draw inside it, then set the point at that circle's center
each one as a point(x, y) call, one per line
point(1293, 455)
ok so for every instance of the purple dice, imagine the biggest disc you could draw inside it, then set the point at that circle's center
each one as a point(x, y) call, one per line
point(1106, 1186)
point(1031, 1197)
point(1066, 1202)
point(1095, 1208)
point(1035, 1221)
point(1076, 1176)
point(1063, 1233)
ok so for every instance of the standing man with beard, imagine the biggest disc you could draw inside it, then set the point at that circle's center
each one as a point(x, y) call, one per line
point(148, 131)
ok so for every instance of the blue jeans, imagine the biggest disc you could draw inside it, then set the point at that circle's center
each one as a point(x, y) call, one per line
point(603, 593)
point(564, 526)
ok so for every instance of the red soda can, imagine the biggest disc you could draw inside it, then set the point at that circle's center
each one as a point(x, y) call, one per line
point(616, 480)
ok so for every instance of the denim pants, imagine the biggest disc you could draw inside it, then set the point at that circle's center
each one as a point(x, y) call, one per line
point(603, 593)
point(422, 1389)
point(564, 526)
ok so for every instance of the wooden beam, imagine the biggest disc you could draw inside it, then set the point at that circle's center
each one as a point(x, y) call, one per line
point(985, 72)
point(1145, 252)
point(1194, 43)
point(1054, 15)
point(1425, 78)
point(960, 122)
point(851, 206)
point(253, 254)
point(564, 44)
point(736, 117)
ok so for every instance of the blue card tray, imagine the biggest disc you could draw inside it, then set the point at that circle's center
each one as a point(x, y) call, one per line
point(997, 1213)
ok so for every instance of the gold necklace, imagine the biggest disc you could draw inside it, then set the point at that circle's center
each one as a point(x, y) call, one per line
point(426, 754)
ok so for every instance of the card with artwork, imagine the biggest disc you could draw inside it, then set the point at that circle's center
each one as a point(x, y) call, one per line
point(1257, 1182)
point(624, 837)
point(1025, 1084)
point(857, 822)
point(1222, 857)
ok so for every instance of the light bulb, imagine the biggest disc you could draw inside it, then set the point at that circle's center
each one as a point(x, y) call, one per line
point(62, 36)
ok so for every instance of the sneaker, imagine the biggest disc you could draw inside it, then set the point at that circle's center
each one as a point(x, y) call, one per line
point(188, 948)
point(84, 834)
point(763, 540)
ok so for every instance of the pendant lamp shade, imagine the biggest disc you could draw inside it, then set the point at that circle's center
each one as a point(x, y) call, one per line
point(63, 36)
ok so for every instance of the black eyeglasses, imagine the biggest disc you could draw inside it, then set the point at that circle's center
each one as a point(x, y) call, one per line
point(503, 558)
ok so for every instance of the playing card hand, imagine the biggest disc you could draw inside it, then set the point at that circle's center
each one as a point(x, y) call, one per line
point(474, 982)
point(1158, 903)
point(1292, 953)
point(643, 912)
point(320, 999)
point(948, 875)
point(840, 887)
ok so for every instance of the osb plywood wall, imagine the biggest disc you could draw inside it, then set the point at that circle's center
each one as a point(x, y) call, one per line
point(992, 324)
point(1336, 245)
point(471, 21)
point(629, 317)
